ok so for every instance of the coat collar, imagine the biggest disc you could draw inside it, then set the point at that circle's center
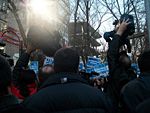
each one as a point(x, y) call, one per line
point(63, 78)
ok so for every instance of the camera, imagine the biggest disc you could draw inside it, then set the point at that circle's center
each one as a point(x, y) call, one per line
point(130, 28)
point(130, 31)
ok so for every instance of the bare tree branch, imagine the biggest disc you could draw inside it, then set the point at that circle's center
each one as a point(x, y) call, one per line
point(118, 7)
point(110, 9)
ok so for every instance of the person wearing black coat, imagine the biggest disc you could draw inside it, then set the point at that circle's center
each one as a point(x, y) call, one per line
point(24, 79)
point(8, 102)
point(66, 91)
point(119, 66)
point(138, 90)
point(6, 99)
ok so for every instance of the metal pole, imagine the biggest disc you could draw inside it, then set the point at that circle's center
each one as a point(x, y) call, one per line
point(87, 16)
point(147, 8)
point(87, 44)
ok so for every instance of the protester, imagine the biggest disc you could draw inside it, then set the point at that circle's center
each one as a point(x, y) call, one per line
point(6, 98)
point(138, 90)
point(119, 65)
point(44, 73)
point(8, 102)
point(65, 91)
point(24, 79)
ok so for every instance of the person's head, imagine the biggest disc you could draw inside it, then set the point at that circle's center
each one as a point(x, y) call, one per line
point(39, 56)
point(26, 78)
point(5, 76)
point(144, 61)
point(11, 62)
point(124, 59)
point(66, 60)
point(45, 72)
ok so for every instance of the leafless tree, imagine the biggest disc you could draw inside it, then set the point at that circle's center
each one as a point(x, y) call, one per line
point(91, 12)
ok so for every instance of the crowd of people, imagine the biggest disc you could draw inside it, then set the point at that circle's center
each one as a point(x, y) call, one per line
point(60, 88)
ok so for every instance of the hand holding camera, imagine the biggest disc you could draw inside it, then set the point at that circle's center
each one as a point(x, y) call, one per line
point(123, 27)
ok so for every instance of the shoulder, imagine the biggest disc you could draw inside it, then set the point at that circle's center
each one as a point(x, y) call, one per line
point(143, 107)
point(132, 87)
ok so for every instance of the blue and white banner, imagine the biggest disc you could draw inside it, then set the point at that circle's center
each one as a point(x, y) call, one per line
point(34, 65)
point(48, 61)
point(95, 65)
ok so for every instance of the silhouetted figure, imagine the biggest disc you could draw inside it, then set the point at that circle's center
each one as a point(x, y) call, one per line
point(119, 66)
point(66, 91)
point(138, 90)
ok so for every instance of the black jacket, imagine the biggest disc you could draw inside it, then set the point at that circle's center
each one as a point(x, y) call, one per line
point(21, 64)
point(143, 107)
point(8, 100)
point(10, 104)
point(136, 91)
point(68, 93)
point(119, 75)
point(24, 79)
